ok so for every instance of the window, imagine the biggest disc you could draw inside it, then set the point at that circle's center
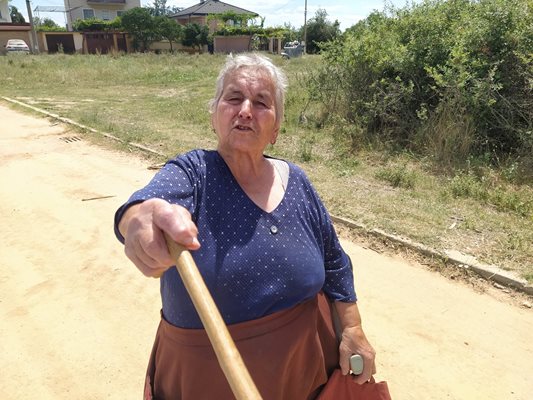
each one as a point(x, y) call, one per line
point(105, 15)
point(88, 13)
point(120, 13)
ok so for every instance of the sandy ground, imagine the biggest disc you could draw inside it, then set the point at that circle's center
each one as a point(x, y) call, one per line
point(77, 320)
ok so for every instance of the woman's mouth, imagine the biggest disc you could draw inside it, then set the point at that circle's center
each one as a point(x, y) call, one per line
point(243, 128)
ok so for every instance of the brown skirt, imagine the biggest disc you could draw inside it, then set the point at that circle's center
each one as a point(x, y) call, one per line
point(289, 354)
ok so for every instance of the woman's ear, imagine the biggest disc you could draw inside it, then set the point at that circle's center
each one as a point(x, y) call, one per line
point(213, 122)
point(274, 137)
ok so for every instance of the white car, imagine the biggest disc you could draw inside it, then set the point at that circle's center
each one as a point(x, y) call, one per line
point(17, 46)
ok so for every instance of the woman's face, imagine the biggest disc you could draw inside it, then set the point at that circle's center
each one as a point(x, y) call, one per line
point(245, 116)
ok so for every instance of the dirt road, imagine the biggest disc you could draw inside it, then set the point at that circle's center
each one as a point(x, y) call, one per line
point(77, 320)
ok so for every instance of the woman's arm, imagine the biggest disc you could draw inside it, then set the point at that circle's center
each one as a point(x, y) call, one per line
point(354, 341)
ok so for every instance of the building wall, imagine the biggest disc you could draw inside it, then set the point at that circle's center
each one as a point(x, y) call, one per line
point(164, 45)
point(232, 44)
point(200, 20)
point(106, 11)
point(4, 11)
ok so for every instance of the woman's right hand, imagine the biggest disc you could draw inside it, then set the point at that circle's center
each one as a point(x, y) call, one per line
point(143, 226)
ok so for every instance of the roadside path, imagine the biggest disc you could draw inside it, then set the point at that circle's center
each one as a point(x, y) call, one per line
point(78, 320)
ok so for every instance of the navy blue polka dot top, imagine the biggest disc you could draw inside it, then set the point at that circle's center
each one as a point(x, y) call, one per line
point(253, 262)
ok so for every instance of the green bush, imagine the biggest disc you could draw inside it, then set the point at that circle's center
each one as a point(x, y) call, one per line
point(95, 24)
point(195, 35)
point(44, 28)
point(47, 25)
point(451, 79)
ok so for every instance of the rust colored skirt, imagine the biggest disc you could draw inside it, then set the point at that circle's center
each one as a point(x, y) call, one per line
point(289, 354)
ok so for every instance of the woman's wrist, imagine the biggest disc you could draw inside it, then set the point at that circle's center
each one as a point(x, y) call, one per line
point(348, 314)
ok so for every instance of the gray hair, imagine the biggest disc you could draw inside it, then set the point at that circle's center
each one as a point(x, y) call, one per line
point(254, 61)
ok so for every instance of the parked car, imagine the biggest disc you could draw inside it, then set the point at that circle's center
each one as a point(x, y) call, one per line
point(17, 46)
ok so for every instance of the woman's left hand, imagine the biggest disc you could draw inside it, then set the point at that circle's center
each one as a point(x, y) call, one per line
point(354, 341)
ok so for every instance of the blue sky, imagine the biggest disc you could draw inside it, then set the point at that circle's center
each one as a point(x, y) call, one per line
point(276, 12)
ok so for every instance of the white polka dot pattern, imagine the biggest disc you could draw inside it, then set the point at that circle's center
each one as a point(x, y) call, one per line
point(253, 262)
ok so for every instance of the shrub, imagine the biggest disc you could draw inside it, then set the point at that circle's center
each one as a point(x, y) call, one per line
point(437, 76)
point(92, 24)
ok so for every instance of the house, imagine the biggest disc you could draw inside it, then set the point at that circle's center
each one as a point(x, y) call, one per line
point(106, 10)
point(199, 12)
point(4, 12)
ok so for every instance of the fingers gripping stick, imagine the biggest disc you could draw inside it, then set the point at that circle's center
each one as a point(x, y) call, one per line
point(228, 356)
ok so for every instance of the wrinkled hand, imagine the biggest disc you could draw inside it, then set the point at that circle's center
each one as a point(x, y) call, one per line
point(354, 341)
point(143, 227)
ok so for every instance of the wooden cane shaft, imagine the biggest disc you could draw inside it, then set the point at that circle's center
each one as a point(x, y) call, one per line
point(227, 354)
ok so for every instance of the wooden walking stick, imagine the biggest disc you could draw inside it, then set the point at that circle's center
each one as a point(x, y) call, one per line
point(227, 354)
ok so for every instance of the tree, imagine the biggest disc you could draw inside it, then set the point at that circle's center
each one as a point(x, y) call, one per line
point(168, 28)
point(319, 29)
point(16, 16)
point(141, 25)
point(290, 33)
point(160, 8)
point(195, 35)
point(50, 23)
point(47, 24)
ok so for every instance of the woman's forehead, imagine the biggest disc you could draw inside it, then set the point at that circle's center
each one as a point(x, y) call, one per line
point(248, 78)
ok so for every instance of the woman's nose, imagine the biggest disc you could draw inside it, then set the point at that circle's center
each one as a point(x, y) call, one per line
point(246, 110)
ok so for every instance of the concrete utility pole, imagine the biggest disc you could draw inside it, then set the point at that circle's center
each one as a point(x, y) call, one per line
point(35, 47)
point(305, 28)
point(69, 19)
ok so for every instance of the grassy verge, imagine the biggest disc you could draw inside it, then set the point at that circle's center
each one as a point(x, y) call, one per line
point(161, 102)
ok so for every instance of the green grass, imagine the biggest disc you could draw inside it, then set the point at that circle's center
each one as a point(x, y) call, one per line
point(398, 176)
point(161, 101)
point(503, 196)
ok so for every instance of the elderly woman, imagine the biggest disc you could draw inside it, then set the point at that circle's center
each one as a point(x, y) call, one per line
point(265, 246)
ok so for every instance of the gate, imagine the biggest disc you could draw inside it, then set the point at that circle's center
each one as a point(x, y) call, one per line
point(64, 42)
point(100, 42)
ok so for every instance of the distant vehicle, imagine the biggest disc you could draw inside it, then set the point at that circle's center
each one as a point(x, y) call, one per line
point(17, 46)
point(292, 50)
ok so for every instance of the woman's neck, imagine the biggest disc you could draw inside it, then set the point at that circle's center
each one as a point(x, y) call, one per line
point(258, 178)
point(247, 168)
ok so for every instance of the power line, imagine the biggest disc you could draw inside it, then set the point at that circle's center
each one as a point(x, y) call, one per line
point(50, 9)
